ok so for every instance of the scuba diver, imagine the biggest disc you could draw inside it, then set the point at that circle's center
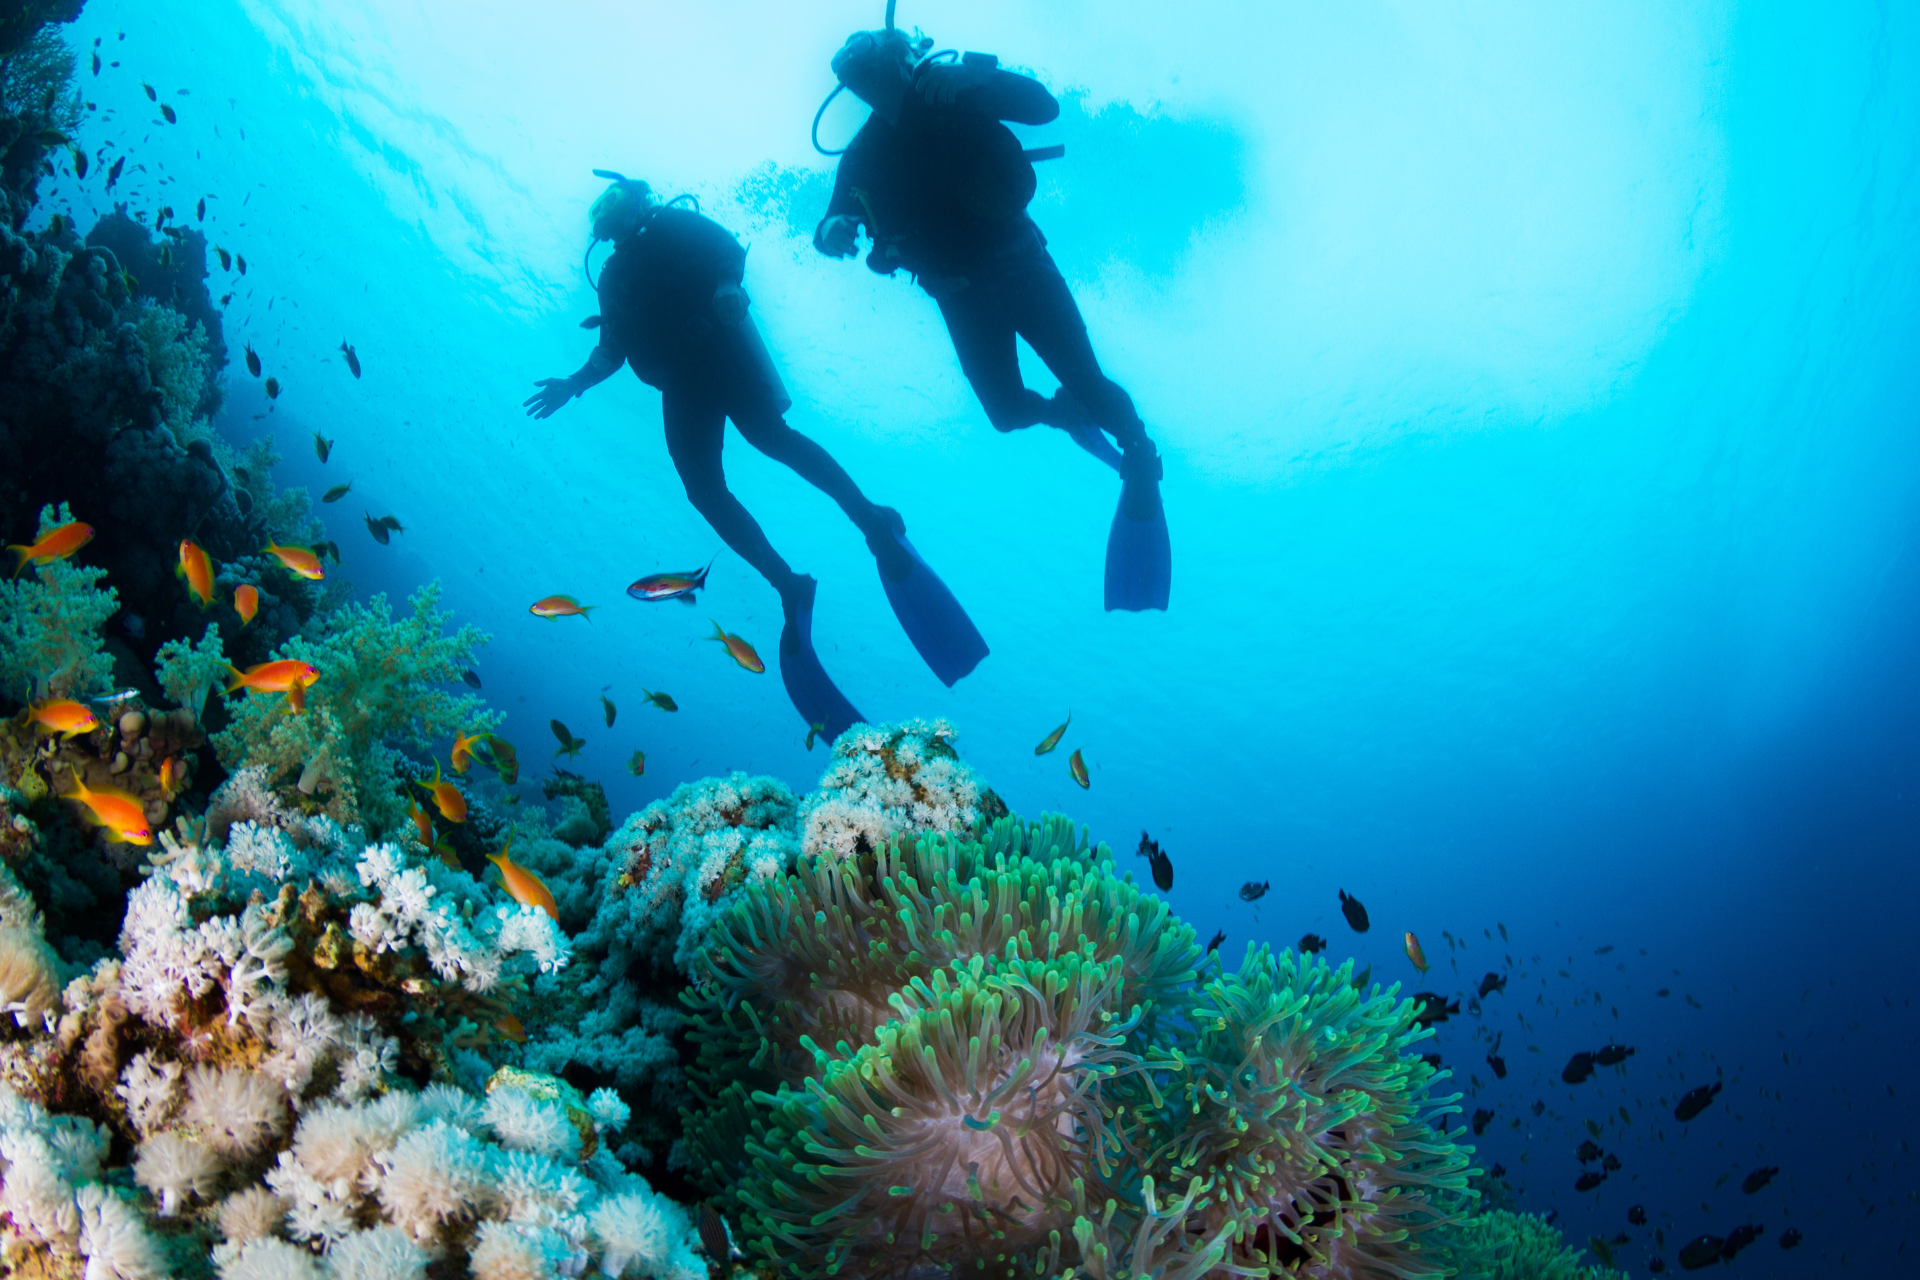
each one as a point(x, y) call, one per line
point(672, 307)
point(941, 187)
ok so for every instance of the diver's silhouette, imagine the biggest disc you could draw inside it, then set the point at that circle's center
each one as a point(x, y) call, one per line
point(942, 186)
point(672, 307)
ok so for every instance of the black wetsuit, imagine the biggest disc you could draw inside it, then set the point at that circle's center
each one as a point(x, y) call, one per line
point(943, 193)
point(656, 307)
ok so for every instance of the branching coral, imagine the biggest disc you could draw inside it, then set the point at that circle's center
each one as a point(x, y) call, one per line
point(50, 627)
point(381, 681)
point(892, 780)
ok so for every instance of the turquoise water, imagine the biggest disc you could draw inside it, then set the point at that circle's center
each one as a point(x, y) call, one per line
point(1538, 402)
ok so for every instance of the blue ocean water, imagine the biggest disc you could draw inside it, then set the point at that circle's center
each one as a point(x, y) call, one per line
point(1538, 396)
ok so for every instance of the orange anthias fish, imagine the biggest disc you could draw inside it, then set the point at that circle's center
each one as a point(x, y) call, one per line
point(670, 586)
point(1415, 954)
point(197, 568)
point(246, 602)
point(561, 607)
point(1078, 768)
point(57, 545)
point(65, 717)
point(118, 812)
point(273, 677)
point(298, 560)
point(446, 797)
point(297, 696)
point(172, 774)
point(522, 885)
point(1052, 740)
point(422, 822)
point(737, 649)
point(509, 1026)
point(461, 757)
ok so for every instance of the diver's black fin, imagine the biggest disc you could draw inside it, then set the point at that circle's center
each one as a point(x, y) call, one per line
point(939, 628)
point(1139, 553)
point(814, 695)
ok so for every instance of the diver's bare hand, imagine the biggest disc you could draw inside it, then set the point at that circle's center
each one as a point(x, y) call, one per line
point(547, 401)
point(730, 304)
point(838, 236)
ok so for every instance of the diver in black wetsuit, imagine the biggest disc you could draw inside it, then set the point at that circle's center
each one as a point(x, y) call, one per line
point(672, 307)
point(941, 187)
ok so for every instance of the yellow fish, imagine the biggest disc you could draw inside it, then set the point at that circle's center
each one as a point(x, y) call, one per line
point(246, 602)
point(522, 885)
point(118, 812)
point(172, 774)
point(561, 607)
point(1052, 740)
point(422, 822)
point(298, 560)
point(737, 649)
point(1078, 768)
point(297, 696)
point(64, 717)
point(446, 797)
point(57, 545)
point(461, 757)
point(273, 677)
point(1415, 954)
point(197, 568)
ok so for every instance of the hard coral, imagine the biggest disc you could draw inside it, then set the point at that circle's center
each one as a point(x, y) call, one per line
point(892, 780)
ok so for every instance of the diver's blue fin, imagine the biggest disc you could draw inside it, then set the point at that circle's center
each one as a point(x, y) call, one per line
point(815, 696)
point(1094, 441)
point(1139, 554)
point(939, 628)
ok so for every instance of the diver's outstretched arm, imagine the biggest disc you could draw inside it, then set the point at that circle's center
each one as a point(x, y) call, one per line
point(555, 392)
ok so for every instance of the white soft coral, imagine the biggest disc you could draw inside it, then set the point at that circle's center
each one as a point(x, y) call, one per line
point(175, 1169)
point(237, 1112)
point(433, 1176)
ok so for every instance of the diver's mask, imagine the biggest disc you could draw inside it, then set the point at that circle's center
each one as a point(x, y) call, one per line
point(621, 208)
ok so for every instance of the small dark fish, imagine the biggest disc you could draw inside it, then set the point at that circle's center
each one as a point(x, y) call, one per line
point(1738, 1239)
point(329, 549)
point(1589, 1151)
point(79, 163)
point(1355, 913)
point(1158, 862)
point(1601, 1250)
point(813, 734)
point(273, 388)
point(1701, 1251)
point(1601, 951)
point(1578, 1068)
point(1251, 892)
point(353, 357)
point(240, 260)
point(1366, 976)
point(393, 526)
point(606, 705)
point(663, 701)
point(200, 210)
point(1491, 983)
point(1497, 1065)
point(471, 676)
point(96, 64)
point(568, 743)
point(1433, 1008)
point(1213, 943)
point(113, 174)
point(1431, 1059)
point(591, 322)
point(338, 492)
point(1612, 1056)
point(1663, 992)
point(1312, 944)
point(1657, 1265)
point(1759, 1178)
point(253, 365)
point(226, 259)
point(167, 111)
point(1637, 1215)
point(1481, 1119)
point(1539, 1107)
point(637, 764)
point(1588, 1181)
point(1611, 1164)
point(151, 95)
point(1790, 1237)
point(1695, 1101)
point(1498, 1171)
point(378, 530)
point(713, 1235)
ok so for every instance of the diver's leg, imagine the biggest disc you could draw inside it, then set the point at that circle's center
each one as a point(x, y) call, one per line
point(766, 430)
point(983, 339)
point(696, 429)
point(1042, 309)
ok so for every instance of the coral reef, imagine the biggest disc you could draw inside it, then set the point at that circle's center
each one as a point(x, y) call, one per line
point(50, 626)
point(1500, 1245)
point(892, 780)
